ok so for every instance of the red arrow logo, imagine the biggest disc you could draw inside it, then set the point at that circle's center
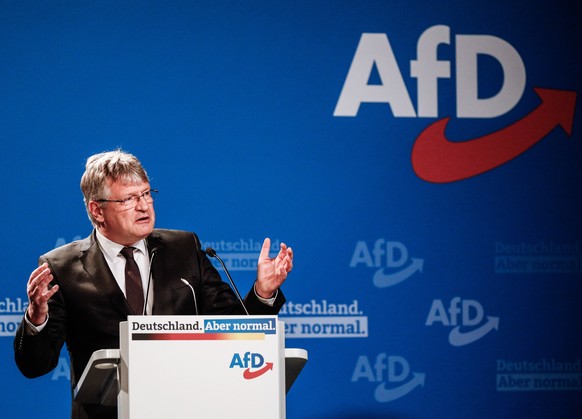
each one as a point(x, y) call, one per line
point(249, 375)
point(436, 159)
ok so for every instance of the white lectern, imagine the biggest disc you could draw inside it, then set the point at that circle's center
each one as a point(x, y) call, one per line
point(194, 366)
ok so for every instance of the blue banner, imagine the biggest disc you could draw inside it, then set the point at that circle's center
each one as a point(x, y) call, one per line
point(421, 158)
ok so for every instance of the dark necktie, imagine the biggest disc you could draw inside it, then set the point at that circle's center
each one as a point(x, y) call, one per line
point(133, 286)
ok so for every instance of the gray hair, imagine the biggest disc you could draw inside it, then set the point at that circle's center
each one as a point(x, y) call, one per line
point(109, 165)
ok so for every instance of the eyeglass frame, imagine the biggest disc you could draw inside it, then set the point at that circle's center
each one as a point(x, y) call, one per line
point(135, 198)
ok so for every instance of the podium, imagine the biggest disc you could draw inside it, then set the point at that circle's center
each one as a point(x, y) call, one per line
point(194, 366)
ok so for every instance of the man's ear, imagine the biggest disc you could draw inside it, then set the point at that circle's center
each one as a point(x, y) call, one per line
point(96, 211)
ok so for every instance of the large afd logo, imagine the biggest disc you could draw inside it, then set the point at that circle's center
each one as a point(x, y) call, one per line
point(435, 158)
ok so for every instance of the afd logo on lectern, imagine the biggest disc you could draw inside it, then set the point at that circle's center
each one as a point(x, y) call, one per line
point(253, 364)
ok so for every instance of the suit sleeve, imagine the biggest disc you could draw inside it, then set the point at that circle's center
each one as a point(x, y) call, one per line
point(39, 354)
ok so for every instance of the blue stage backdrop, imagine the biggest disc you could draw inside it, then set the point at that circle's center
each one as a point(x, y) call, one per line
point(422, 159)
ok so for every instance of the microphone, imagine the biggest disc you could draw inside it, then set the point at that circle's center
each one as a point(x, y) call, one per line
point(145, 304)
point(212, 253)
point(193, 294)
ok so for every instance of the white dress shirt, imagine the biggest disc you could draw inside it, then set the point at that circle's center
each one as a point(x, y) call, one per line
point(116, 263)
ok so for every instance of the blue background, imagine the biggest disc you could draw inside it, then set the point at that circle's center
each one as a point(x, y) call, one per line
point(229, 106)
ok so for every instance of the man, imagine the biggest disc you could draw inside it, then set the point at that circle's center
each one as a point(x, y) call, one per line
point(82, 291)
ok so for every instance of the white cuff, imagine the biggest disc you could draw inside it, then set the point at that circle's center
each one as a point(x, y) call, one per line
point(30, 328)
point(267, 301)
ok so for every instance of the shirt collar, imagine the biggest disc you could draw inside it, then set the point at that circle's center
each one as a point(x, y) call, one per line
point(111, 249)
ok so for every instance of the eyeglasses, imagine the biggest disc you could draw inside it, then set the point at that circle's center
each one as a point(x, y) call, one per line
point(132, 200)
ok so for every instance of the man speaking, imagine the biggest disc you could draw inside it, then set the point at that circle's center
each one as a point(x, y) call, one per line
point(82, 291)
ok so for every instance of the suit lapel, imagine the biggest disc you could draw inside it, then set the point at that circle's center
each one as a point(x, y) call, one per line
point(95, 265)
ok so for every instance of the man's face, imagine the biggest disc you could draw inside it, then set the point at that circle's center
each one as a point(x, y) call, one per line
point(121, 223)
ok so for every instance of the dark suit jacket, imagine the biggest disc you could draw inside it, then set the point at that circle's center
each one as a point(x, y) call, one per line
point(86, 311)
